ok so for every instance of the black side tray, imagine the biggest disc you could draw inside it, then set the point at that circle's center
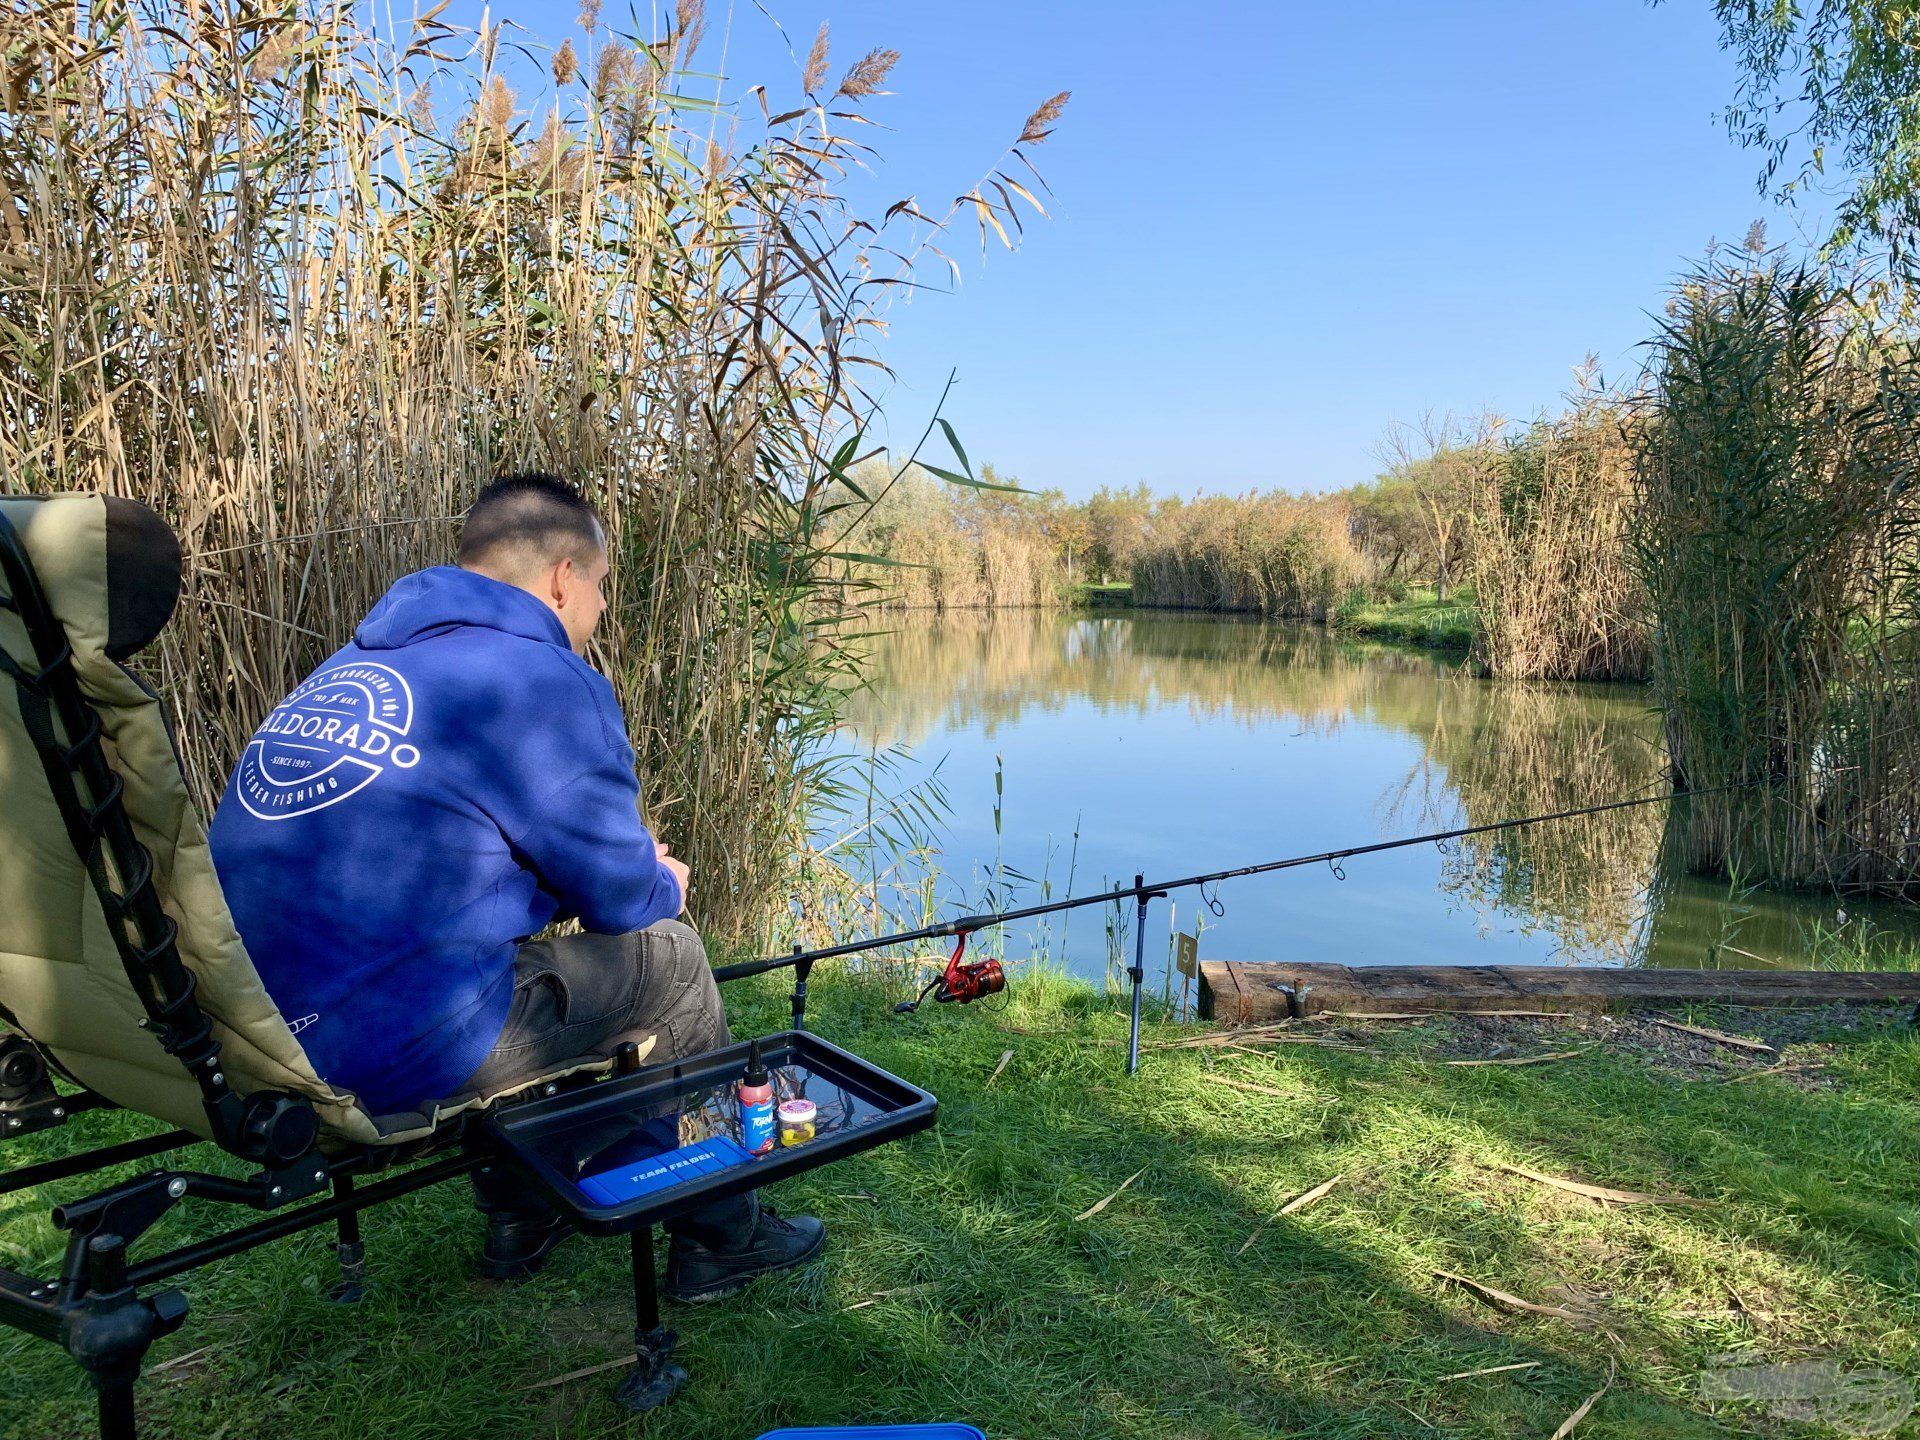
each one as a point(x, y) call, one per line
point(586, 1147)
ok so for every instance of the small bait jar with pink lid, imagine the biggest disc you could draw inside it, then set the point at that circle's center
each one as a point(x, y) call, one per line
point(796, 1119)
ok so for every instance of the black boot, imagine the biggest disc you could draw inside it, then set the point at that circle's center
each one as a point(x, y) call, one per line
point(522, 1228)
point(710, 1267)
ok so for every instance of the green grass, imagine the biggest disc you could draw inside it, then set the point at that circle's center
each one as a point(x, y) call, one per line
point(960, 1285)
point(1418, 619)
point(1097, 594)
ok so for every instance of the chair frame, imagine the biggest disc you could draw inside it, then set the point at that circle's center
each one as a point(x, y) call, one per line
point(100, 1307)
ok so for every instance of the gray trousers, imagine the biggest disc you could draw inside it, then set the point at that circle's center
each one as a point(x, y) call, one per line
point(588, 994)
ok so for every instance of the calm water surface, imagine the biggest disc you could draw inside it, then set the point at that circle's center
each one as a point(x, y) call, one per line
point(1173, 744)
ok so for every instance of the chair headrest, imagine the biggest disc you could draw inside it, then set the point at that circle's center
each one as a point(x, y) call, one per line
point(143, 576)
point(110, 567)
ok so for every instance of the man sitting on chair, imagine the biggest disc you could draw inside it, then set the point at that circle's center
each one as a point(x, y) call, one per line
point(435, 793)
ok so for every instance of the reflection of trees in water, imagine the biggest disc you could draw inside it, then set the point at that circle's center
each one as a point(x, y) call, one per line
point(1490, 751)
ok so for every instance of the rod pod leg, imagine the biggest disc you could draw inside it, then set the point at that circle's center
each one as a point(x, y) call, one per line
point(1137, 974)
point(654, 1379)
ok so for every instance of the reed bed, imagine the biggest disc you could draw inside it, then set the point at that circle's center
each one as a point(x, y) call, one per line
point(1547, 556)
point(303, 286)
point(948, 547)
point(1273, 554)
point(1779, 538)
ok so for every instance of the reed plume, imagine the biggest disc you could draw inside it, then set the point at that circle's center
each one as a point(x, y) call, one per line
point(1039, 125)
point(814, 74)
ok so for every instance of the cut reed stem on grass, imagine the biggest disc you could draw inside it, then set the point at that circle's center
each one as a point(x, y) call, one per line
point(1506, 1300)
point(1099, 1205)
point(1601, 1193)
point(1525, 1059)
point(1249, 1087)
point(1586, 1406)
point(1492, 1370)
point(1719, 1037)
point(581, 1374)
point(1781, 1069)
point(1292, 1207)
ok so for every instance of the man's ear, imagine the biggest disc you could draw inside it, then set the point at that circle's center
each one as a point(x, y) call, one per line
point(560, 581)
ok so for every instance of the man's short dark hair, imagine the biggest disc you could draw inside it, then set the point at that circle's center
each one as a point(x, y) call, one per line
point(541, 516)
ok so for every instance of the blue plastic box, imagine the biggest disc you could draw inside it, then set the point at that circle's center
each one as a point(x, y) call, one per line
point(880, 1432)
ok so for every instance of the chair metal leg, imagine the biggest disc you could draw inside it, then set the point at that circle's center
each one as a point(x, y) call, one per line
point(116, 1410)
point(654, 1379)
point(350, 1250)
point(110, 1328)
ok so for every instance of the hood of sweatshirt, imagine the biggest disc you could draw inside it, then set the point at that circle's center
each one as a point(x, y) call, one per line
point(445, 598)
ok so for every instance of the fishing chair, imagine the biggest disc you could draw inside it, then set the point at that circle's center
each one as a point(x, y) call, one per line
point(123, 984)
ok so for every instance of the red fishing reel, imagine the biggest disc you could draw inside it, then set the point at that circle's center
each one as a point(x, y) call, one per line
point(960, 983)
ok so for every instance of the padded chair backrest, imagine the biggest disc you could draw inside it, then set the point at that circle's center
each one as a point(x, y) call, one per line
point(110, 569)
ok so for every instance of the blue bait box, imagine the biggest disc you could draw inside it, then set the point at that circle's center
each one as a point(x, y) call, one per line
point(880, 1432)
point(663, 1171)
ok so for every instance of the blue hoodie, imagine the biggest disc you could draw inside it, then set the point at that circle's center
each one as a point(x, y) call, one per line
point(438, 790)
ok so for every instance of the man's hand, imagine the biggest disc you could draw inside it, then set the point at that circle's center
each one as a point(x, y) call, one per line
point(675, 868)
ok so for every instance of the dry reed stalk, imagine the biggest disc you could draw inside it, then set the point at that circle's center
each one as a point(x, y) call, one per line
point(1548, 511)
point(1292, 1207)
point(1274, 554)
point(1523, 1059)
point(253, 275)
point(1718, 1037)
point(1601, 1193)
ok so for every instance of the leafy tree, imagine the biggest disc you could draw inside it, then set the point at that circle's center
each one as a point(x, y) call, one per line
point(1118, 520)
point(1833, 87)
point(1389, 524)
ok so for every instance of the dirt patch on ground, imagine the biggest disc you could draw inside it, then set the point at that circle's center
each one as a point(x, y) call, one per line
point(1799, 1039)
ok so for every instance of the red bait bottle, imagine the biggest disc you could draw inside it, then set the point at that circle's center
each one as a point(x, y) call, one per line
point(756, 1105)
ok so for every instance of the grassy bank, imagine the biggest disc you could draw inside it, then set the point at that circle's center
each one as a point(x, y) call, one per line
point(961, 1283)
point(1417, 618)
point(1098, 595)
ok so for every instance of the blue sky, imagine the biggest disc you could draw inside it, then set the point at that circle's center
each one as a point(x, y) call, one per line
point(1277, 228)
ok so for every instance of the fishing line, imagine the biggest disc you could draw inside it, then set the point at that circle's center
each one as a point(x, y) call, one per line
point(1141, 890)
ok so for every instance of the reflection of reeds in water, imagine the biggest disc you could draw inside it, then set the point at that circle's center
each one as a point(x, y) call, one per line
point(1507, 750)
point(1491, 751)
point(986, 671)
